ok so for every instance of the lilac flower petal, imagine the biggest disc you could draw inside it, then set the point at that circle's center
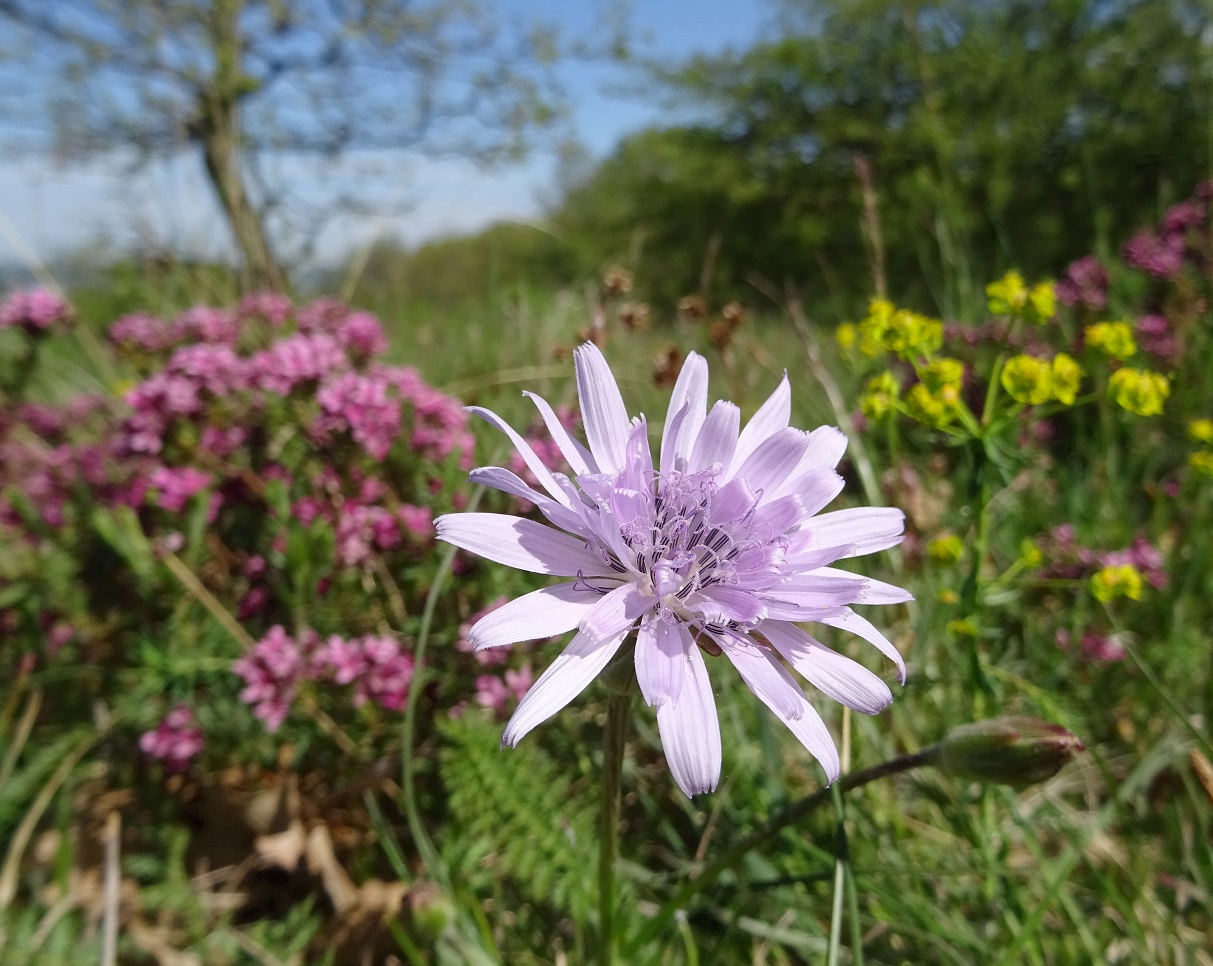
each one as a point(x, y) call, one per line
point(772, 416)
point(661, 649)
point(541, 613)
point(816, 485)
point(580, 459)
point(763, 675)
point(520, 543)
point(827, 444)
point(499, 478)
point(724, 605)
point(848, 620)
point(846, 681)
point(732, 501)
point(690, 730)
point(773, 460)
point(878, 592)
point(778, 690)
point(717, 437)
point(533, 462)
point(868, 529)
point(602, 410)
point(617, 611)
point(690, 399)
point(577, 665)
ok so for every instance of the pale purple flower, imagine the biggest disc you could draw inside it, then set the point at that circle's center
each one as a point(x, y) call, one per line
point(175, 740)
point(717, 548)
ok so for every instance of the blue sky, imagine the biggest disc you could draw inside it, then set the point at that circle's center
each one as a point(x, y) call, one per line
point(47, 210)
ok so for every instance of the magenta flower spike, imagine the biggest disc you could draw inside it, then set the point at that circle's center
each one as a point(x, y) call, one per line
point(718, 548)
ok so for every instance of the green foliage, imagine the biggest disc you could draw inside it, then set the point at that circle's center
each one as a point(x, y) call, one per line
point(1006, 131)
point(514, 816)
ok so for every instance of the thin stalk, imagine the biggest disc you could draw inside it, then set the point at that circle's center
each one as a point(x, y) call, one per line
point(613, 744)
point(767, 833)
point(421, 839)
point(840, 861)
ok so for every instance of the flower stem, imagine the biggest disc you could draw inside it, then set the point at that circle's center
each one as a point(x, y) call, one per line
point(767, 833)
point(612, 772)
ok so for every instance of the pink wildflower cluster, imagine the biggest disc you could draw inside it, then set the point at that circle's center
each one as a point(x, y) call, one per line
point(298, 360)
point(175, 741)
point(1069, 560)
point(1084, 283)
point(492, 691)
point(35, 311)
point(148, 333)
point(1093, 645)
point(273, 671)
point(1176, 240)
point(175, 486)
point(376, 666)
point(365, 406)
point(269, 306)
point(1155, 336)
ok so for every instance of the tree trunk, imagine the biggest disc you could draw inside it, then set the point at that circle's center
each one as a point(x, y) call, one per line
point(221, 154)
point(217, 129)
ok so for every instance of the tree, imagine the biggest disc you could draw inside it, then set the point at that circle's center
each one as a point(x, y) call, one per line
point(240, 81)
point(997, 132)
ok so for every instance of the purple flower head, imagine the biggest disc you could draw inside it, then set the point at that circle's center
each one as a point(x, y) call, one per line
point(1085, 283)
point(146, 332)
point(175, 741)
point(386, 675)
point(272, 672)
point(417, 520)
point(362, 335)
point(270, 306)
point(1155, 336)
point(215, 368)
point(1182, 218)
point(323, 315)
point(296, 360)
point(1160, 255)
point(363, 406)
point(205, 324)
point(1094, 646)
point(177, 485)
point(718, 547)
point(35, 311)
point(361, 530)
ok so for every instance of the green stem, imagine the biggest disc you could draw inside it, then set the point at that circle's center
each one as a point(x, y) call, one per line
point(766, 834)
point(614, 741)
point(421, 838)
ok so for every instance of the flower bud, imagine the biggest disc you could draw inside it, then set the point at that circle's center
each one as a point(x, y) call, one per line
point(1013, 751)
point(431, 910)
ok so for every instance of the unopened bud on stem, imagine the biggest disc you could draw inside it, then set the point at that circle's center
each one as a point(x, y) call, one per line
point(1007, 751)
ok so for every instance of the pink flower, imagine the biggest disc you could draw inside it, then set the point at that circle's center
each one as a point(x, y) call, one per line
point(146, 332)
point(35, 311)
point(1085, 283)
point(215, 368)
point(270, 306)
point(1155, 336)
point(362, 335)
point(205, 324)
point(272, 672)
point(323, 315)
point(361, 405)
point(1160, 255)
point(175, 741)
point(296, 360)
point(417, 520)
point(719, 547)
point(177, 485)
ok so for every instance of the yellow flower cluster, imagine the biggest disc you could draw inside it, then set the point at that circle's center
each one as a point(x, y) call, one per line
point(1139, 391)
point(1121, 581)
point(935, 399)
point(1010, 295)
point(1033, 381)
point(1202, 462)
point(880, 399)
point(1201, 431)
point(1114, 339)
point(906, 333)
point(945, 549)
